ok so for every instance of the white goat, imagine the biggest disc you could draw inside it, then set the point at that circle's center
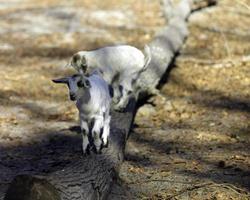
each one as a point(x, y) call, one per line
point(120, 65)
point(93, 101)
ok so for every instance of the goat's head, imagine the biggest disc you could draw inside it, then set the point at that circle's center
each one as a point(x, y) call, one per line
point(79, 62)
point(77, 85)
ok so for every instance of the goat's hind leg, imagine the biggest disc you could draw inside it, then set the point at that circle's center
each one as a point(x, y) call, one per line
point(85, 135)
point(106, 130)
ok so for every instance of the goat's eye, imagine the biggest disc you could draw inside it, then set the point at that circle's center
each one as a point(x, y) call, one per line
point(79, 84)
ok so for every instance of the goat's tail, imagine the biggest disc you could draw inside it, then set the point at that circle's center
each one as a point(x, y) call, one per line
point(148, 57)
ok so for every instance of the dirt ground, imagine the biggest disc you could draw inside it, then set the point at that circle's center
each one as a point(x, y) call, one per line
point(189, 142)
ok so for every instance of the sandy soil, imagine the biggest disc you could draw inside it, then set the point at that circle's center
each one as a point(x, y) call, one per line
point(189, 142)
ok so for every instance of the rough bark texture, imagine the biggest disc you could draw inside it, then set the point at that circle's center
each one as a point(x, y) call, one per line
point(92, 176)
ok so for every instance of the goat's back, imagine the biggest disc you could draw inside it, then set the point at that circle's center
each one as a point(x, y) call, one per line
point(119, 58)
point(99, 91)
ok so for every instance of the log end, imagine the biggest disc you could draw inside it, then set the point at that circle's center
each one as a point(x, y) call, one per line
point(26, 187)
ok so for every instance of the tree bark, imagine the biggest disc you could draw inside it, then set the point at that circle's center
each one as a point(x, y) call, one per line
point(92, 176)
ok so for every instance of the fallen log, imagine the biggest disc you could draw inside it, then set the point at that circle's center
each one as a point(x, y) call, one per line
point(92, 176)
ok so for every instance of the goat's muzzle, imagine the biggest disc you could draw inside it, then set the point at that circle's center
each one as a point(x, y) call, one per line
point(72, 97)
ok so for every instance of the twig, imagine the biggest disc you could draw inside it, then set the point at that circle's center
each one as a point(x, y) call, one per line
point(235, 189)
point(160, 180)
point(200, 4)
point(231, 187)
point(238, 11)
point(228, 186)
point(214, 29)
point(228, 50)
point(243, 4)
point(215, 63)
point(189, 189)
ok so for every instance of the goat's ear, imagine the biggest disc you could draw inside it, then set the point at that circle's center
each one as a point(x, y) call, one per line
point(83, 60)
point(75, 58)
point(83, 64)
point(61, 80)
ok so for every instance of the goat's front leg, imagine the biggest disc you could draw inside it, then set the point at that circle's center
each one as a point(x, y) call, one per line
point(85, 134)
point(127, 92)
point(96, 132)
point(117, 93)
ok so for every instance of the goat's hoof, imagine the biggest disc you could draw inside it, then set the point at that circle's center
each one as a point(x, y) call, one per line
point(105, 144)
point(86, 151)
point(97, 150)
point(119, 108)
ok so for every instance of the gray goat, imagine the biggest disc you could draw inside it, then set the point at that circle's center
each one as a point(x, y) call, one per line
point(93, 101)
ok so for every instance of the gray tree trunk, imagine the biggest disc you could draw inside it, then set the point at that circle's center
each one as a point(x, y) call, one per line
point(92, 176)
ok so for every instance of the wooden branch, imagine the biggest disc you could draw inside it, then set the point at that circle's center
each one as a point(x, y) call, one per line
point(92, 176)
